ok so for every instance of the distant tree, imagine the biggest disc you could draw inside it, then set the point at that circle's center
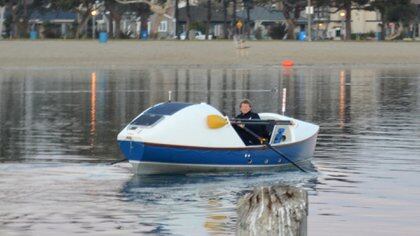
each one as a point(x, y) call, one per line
point(234, 19)
point(248, 5)
point(159, 8)
point(20, 12)
point(198, 26)
point(176, 13)
point(83, 8)
point(187, 20)
point(2, 11)
point(116, 11)
point(208, 22)
point(400, 11)
point(16, 13)
point(143, 11)
point(344, 5)
point(278, 31)
point(225, 4)
point(291, 10)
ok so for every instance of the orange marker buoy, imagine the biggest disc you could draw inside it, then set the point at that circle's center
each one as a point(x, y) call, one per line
point(288, 63)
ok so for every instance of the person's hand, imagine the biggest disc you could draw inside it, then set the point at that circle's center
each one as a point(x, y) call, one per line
point(241, 125)
point(263, 140)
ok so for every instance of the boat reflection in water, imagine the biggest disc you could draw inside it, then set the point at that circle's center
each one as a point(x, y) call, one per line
point(207, 201)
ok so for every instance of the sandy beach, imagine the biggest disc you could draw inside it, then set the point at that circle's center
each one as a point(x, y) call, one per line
point(91, 53)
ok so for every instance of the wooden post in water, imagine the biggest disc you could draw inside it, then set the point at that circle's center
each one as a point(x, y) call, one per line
point(274, 210)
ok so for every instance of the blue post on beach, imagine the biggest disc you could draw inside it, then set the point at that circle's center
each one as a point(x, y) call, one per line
point(103, 37)
point(302, 36)
point(378, 36)
point(33, 35)
point(144, 34)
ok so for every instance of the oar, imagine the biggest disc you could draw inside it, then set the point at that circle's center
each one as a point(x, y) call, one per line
point(217, 121)
point(118, 161)
point(261, 122)
point(271, 147)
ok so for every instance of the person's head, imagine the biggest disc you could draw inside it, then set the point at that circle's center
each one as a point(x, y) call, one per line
point(245, 106)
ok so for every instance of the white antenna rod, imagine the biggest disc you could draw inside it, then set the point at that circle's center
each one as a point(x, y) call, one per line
point(283, 101)
point(170, 95)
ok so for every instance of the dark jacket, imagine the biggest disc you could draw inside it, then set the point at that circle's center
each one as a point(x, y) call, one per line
point(246, 137)
point(250, 115)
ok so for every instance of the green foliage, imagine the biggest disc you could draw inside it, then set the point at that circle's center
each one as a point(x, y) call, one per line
point(403, 13)
point(7, 25)
point(51, 30)
point(248, 3)
point(395, 10)
point(258, 33)
point(70, 5)
point(278, 31)
point(341, 4)
point(364, 36)
point(198, 26)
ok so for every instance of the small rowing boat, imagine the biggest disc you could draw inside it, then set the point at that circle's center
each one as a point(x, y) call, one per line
point(175, 137)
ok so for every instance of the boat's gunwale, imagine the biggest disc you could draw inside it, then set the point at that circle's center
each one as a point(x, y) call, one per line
point(256, 147)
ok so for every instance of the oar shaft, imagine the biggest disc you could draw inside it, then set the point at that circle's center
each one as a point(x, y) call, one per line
point(281, 154)
point(260, 122)
point(273, 149)
point(118, 161)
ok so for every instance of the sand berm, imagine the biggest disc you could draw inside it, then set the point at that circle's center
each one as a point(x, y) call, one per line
point(137, 53)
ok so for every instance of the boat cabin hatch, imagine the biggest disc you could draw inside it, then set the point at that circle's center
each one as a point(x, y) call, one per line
point(157, 113)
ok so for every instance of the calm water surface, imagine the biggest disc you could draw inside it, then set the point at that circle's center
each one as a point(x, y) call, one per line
point(58, 132)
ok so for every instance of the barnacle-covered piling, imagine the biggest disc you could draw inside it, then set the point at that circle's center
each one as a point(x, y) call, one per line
point(275, 210)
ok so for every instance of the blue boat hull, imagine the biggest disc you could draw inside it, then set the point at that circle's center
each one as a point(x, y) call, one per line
point(149, 158)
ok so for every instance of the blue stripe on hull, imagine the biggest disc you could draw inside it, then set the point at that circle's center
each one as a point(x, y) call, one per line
point(144, 152)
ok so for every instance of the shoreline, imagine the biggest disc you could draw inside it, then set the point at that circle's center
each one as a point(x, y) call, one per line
point(244, 66)
point(135, 53)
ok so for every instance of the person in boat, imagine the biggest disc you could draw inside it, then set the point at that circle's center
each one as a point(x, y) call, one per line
point(247, 114)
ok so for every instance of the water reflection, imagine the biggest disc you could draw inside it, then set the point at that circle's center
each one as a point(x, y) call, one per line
point(342, 101)
point(92, 108)
point(367, 152)
point(205, 200)
point(53, 108)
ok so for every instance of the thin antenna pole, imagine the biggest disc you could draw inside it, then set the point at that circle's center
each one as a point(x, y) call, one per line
point(283, 101)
